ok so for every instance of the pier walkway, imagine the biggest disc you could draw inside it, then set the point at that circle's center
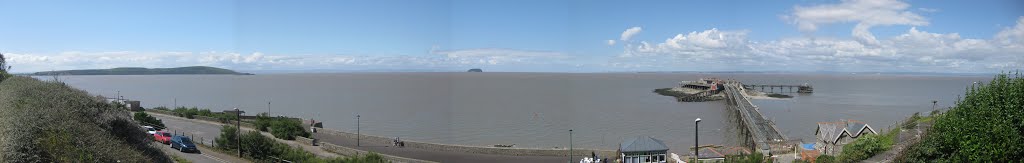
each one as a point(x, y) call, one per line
point(763, 136)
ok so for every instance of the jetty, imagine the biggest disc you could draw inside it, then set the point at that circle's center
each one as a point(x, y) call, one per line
point(761, 133)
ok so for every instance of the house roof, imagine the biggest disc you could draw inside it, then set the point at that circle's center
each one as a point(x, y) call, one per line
point(642, 144)
point(832, 131)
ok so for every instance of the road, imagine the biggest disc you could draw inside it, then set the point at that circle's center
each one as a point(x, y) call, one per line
point(207, 131)
point(204, 156)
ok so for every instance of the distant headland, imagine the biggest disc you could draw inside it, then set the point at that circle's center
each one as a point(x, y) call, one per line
point(205, 70)
point(475, 70)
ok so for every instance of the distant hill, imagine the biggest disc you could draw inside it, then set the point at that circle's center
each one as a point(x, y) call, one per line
point(146, 71)
point(475, 70)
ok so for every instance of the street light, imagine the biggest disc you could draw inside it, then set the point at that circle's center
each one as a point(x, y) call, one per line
point(696, 139)
point(570, 145)
point(238, 137)
point(357, 131)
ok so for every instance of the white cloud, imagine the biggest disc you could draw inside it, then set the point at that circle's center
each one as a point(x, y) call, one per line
point(928, 9)
point(611, 42)
point(865, 13)
point(629, 33)
point(914, 50)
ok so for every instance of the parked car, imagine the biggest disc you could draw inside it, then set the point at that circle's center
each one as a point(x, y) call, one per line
point(162, 137)
point(150, 130)
point(183, 144)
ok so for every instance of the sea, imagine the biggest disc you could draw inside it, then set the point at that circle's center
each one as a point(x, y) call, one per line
point(538, 110)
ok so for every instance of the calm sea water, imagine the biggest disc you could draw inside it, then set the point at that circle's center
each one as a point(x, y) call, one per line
point(534, 109)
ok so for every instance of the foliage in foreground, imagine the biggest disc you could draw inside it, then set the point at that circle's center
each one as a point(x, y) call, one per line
point(987, 125)
point(51, 122)
point(261, 148)
point(867, 146)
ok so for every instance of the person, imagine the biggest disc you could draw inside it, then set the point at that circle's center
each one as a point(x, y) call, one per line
point(394, 142)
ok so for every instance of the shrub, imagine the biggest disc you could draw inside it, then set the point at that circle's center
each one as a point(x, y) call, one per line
point(146, 119)
point(228, 139)
point(912, 121)
point(287, 129)
point(985, 126)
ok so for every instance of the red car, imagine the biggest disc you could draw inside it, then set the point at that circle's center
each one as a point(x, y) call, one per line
point(162, 137)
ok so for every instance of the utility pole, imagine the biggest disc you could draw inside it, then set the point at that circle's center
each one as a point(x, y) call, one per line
point(238, 137)
point(357, 131)
point(268, 107)
point(570, 145)
point(175, 103)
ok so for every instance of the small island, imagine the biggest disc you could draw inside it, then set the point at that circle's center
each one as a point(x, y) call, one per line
point(475, 70)
point(204, 70)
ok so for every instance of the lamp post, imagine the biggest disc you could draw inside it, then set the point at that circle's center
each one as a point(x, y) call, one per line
point(268, 107)
point(570, 145)
point(357, 131)
point(238, 137)
point(934, 103)
point(696, 139)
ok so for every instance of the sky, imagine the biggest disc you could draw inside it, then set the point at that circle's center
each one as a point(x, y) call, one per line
point(983, 36)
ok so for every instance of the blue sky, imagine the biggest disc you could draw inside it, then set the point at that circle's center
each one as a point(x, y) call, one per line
point(532, 35)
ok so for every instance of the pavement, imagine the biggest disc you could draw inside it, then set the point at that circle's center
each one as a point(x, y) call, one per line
point(206, 131)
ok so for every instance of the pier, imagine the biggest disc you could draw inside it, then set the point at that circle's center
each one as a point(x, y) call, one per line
point(763, 136)
point(805, 88)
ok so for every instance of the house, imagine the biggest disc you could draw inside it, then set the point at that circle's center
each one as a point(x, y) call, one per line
point(643, 149)
point(832, 136)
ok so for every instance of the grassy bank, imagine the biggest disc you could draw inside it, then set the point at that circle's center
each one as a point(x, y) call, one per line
point(52, 122)
point(987, 125)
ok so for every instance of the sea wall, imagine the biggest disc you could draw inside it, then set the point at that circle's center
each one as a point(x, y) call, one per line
point(354, 152)
point(474, 149)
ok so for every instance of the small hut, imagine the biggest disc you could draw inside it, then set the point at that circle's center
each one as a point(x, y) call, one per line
point(643, 149)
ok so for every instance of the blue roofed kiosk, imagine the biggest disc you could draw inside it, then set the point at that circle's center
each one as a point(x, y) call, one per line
point(643, 149)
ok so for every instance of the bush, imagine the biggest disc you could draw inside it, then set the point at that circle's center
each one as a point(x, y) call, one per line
point(287, 129)
point(985, 126)
point(148, 120)
point(912, 121)
point(825, 159)
point(190, 113)
point(280, 127)
point(51, 122)
point(228, 139)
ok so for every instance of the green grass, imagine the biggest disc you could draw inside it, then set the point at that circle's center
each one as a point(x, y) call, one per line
point(179, 159)
point(52, 122)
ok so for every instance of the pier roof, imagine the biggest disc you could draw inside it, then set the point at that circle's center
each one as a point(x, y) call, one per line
point(642, 144)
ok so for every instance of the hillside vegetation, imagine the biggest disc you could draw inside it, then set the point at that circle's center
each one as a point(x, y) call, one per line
point(52, 122)
point(145, 71)
point(987, 125)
